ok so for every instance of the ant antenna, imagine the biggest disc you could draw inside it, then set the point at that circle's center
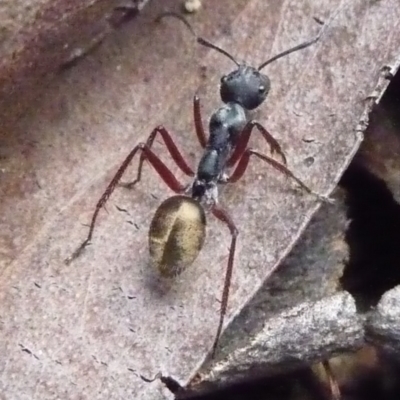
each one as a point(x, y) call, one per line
point(206, 43)
point(200, 40)
point(292, 50)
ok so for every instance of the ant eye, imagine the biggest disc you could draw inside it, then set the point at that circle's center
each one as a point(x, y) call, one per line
point(261, 89)
point(224, 79)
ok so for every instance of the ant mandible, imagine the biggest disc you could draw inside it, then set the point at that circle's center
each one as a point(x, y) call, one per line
point(177, 230)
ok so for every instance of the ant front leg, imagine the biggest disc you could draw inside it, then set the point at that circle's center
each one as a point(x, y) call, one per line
point(244, 162)
point(244, 138)
point(198, 122)
point(162, 170)
point(172, 149)
point(223, 216)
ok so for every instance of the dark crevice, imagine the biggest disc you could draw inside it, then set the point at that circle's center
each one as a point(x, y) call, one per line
point(374, 232)
point(300, 384)
point(373, 237)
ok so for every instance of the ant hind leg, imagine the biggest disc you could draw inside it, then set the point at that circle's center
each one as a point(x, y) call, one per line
point(163, 171)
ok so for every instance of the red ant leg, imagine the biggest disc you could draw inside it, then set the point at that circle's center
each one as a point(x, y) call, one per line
point(170, 383)
point(172, 149)
point(223, 216)
point(198, 123)
point(164, 172)
point(243, 141)
point(244, 162)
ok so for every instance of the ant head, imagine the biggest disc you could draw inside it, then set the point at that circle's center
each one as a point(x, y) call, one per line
point(246, 86)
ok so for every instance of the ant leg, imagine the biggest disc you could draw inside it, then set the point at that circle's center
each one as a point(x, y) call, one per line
point(170, 383)
point(172, 149)
point(243, 141)
point(198, 123)
point(244, 162)
point(223, 216)
point(162, 170)
point(274, 145)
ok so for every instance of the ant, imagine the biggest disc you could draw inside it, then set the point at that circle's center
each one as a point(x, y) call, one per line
point(178, 228)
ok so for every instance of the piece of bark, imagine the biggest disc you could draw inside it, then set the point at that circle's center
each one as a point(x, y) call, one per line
point(298, 337)
point(383, 328)
point(92, 327)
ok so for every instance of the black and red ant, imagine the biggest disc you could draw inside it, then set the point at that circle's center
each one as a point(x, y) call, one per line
point(177, 230)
